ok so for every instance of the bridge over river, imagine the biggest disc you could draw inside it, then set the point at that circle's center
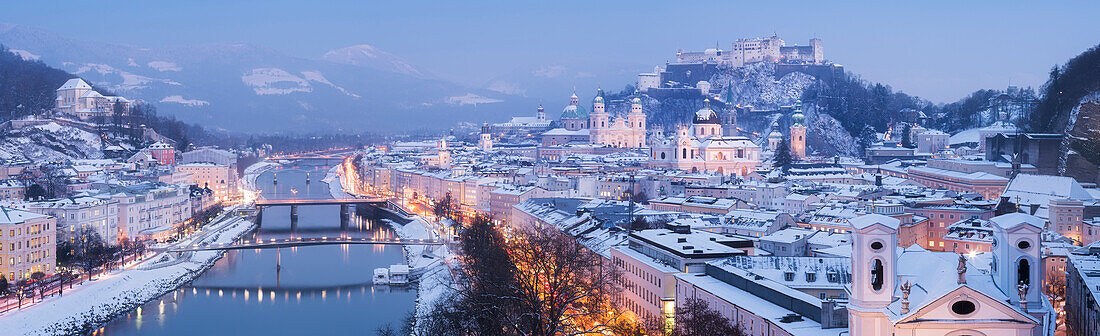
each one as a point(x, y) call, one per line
point(304, 241)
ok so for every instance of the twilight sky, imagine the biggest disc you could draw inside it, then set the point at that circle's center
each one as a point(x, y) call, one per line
point(939, 50)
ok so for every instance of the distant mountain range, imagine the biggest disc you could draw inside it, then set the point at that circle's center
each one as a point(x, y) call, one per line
point(244, 87)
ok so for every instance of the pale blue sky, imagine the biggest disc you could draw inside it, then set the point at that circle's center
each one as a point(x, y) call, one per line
point(940, 50)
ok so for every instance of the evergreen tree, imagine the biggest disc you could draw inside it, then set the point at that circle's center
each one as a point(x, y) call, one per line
point(35, 191)
point(907, 136)
point(783, 156)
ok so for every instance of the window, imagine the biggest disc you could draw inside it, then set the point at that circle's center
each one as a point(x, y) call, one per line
point(877, 273)
point(811, 277)
point(1023, 273)
point(963, 307)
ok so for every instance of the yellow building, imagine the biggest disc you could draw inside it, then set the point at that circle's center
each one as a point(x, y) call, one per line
point(26, 243)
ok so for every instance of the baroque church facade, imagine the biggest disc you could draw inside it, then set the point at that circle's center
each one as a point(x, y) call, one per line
point(913, 291)
point(704, 147)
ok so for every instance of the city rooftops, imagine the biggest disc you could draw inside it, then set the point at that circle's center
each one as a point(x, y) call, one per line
point(691, 243)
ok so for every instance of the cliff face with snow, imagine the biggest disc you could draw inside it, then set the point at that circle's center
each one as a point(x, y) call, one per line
point(756, 85)
point(1081, 144)
point(50, 142)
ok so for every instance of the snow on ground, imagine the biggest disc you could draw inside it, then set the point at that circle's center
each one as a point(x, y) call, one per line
point(471, 99)
point(365, 55)
point(275, 81)
point(97, 302)
point(254, 171)
point(335, 183)
point(25, 55)
point(180, 100)
point(429, 264)
point(50, 142)
point(129, 82)
point(316, 76)
point(163, 66)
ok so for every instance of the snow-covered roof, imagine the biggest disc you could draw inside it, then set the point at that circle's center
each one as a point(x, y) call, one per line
point(75, 83)
point(1012, 220)
point(11, 216)
point(865, 221)
point(92, 94)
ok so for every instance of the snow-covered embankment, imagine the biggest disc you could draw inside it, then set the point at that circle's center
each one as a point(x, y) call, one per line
point(118, 292)
point(428, 264)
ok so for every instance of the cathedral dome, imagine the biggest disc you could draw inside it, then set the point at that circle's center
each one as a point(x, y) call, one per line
point(599, 97)
point(573, 111)
point(705, 115)
point(775, 135)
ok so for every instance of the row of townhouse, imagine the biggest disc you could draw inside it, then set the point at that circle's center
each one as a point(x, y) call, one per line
point(144, 211)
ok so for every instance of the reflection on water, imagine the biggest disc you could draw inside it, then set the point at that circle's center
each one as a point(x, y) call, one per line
point(319, 289)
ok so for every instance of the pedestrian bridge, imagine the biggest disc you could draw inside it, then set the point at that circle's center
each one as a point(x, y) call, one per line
point(328, 154)
point(328, 201)
point(300, 241)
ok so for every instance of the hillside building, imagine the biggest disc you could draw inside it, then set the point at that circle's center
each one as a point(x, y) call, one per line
point(77, 98)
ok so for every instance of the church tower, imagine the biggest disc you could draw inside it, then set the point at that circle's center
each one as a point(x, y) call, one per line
point(600, 120)
point(486, 141)
point(798, 135)
point(636, 118)
point(1016, 256)
point(874, 274)
point(729, 118)
point(541, 114)
point(774, 138)
point(684, 150)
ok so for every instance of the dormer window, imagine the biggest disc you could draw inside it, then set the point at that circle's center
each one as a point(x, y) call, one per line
point(788, 276)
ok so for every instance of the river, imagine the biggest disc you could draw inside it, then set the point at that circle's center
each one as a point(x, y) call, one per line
point(321, 290)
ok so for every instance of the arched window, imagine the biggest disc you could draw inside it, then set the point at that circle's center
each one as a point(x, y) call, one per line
point(685, 153)
point(877, 273)
point(1023, 273)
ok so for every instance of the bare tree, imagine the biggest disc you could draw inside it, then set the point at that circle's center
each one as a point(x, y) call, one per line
point(696, 318)
point(563, 287)
point(536, 282)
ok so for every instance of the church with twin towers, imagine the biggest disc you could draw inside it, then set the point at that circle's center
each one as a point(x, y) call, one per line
point(710, 143)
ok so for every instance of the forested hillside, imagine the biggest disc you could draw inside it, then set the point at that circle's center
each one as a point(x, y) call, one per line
point(26, 87)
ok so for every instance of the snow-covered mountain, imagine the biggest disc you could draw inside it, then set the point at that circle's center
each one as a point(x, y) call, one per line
point(365, 55)
point(244, 87)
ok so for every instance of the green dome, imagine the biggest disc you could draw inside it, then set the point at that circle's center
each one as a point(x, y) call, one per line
point(797, 118)
point(636, 100)
point(574, 112)
point(775, 135)
point(599, 97)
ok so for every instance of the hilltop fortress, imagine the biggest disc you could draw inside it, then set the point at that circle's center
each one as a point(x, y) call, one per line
point(692, 69)
point(763, 49)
